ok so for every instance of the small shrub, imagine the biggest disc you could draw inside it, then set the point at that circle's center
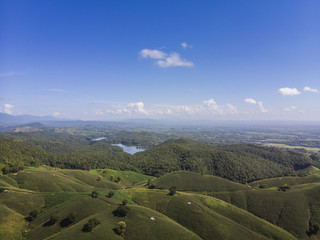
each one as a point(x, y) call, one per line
point(172, 190)
point(112, 177)
point(120, 229)
point(262, 186)
point(121, 211)
point(54, 218)
point(285, 188)
point(91, 224)
point(124, 202)
point(99, 178)
point(71, 218)
point(33, 215)
point(94, 194)
point(152, 186)
point(118, 179)
point(110, 194)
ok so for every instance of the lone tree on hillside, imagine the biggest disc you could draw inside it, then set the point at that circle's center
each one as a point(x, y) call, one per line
point(91, 224)
point(33, 215)
point(120, 229)
point(71, 218)
point(118, 179)
point(121, 211)
point(94, 194)
point(54, 218)
point(172, 190)
point(110, 194)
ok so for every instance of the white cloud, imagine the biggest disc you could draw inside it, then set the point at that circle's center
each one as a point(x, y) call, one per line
point(309, 89)
point(288, 91)
point(259, 103)
point(262, 109)
point(250, 100)
point(207, 108)
point(155, 54)
point(7, 108)
point(166, 60)
point(174, 60)
point(232, 109)
point(131, 108)
point(290, 109)
point(184, 45)
point(56, 114)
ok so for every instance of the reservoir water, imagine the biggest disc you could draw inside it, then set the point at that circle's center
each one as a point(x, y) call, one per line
point(130, 149)
point(98, 139)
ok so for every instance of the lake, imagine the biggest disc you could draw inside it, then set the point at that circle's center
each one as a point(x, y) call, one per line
point(130, 149)
point(98, 139)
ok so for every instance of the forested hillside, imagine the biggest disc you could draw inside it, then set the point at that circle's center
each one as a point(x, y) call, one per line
point(240, 162)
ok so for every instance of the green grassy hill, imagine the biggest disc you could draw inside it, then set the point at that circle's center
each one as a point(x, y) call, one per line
point(138, 222)
point(189, 181)
point(311, 175)
point(208, 217)
point(235, 211)
point(292, 210)
point(61, 181)
point(127, 178)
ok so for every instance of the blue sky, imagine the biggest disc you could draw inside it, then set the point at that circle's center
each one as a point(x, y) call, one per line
point(212, 60)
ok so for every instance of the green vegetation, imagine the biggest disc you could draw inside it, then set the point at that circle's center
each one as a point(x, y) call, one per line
point(94, 194)
point(33, 215)
point(242, 162)
point(189, 181)
point(121, 211)
point(172, 190)
point(110, 194)
point(91, 224)
point(120, 229)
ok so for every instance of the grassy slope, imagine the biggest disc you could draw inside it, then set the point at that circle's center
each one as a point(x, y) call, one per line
point(61, 181)
point(127, 177)
point(208, 217)
point(312, 177)
point(138, 222)
point(23, 202)
point(290, 210)
point(11, 223)
point(189, 181)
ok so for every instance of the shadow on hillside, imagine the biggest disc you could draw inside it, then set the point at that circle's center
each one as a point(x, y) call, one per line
point(65, 222)
point(48, 224)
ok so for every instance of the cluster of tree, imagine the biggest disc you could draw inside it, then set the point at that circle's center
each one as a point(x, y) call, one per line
point(15, 155)
point(240, 162)
point(91, 224)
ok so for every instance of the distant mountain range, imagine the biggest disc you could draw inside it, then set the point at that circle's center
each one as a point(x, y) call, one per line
point(21, 119)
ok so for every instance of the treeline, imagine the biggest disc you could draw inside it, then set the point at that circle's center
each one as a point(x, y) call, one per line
point(240, 162)
point(14, 156)
point(73, 140)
